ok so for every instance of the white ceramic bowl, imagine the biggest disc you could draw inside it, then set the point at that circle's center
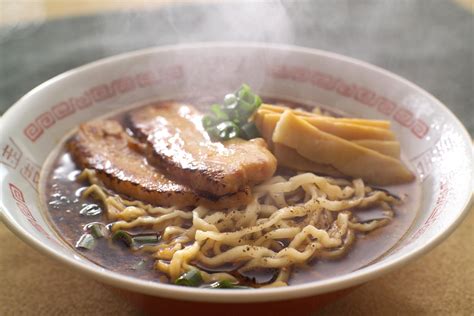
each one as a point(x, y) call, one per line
point(433, 140)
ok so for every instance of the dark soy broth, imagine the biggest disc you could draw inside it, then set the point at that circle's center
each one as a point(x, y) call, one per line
point(61, 197)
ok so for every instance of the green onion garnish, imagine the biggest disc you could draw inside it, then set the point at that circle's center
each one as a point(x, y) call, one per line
point(87, 241)
point(231, 119)
point(250, 130)
point(219, 114)
point(98, 230)
point(123, 236)
point(146, 239)
point(191, 278)
point(90, 210)
point(226, 284)
point(230, 100)
point(135, 241)
point(227, 130)
point(209, 121)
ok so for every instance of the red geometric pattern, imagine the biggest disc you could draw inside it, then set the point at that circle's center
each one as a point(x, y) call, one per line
point(63, 109)
point(366, 96)
point(24, 209)
point(404, 117)
point(33, 131)
point(81, 102)
point(420, 129)
point(300, 74)
point(101, 92)
point(31, 172)
point(10, 154)
point(443, 196)
point(347, 89)
point(319, 79)
point(45, 120)
point(386, 106)
point(323, 81)
point(424, 161)
point(17, 194)
point(97, 94)
point(146, 79)
point(123, 85)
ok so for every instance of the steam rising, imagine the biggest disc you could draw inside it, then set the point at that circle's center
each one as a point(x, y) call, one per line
point(259, 22)
point(390, 34)
point(250, 21)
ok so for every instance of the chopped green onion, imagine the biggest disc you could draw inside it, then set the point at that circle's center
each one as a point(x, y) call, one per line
point(246, 96)
point(228, 130)
point(226, 121)
point(213, 132)
point(219, 114)
point(90, 210)
point(226, 284)
point(230, 99)
point(191, 278)
point(87, 241)
point(146, 239)
point(134, 241)
point(249, 130)
point(123, 236)
point(208, 121)
point(98, 230)
point(257, 101)
point(225, 130)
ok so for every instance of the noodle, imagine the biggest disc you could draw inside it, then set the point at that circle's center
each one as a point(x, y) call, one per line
point(289, 222)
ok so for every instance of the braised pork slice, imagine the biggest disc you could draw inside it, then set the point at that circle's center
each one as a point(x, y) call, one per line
point(178, 143)
point(104, 146)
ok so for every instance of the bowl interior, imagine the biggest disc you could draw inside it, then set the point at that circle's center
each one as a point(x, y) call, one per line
point(433, 141)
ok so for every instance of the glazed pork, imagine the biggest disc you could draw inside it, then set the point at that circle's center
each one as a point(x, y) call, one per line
point(105, 147)
point(177, 143)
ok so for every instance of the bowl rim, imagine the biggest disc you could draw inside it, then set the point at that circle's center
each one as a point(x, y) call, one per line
point(221, 295)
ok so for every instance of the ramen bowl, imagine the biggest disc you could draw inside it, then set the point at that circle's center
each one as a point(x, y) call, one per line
point(434, 144)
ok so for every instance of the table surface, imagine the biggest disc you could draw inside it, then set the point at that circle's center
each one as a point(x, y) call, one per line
point(430, 42)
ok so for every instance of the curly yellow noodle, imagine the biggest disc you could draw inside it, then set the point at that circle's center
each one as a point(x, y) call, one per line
point(289, 222)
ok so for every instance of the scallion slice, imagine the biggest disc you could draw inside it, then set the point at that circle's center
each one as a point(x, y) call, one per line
point(230, 99)
point(208, 121)
point(219, 114)
point(87, 241)
point(244, 93)
point(98, 230)
point(124, 237)
point(228, 120)
point(249, 130)
point(146, 239)
point(191, 278)
point(90, 210)
point(135, 241)
point(227, 130)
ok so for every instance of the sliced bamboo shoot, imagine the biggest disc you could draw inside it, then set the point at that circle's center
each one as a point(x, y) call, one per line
point(374, 123)
point(266, 122)
point(336, 127)
point(349, 158)
point(389, 148)
point(289, 157)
